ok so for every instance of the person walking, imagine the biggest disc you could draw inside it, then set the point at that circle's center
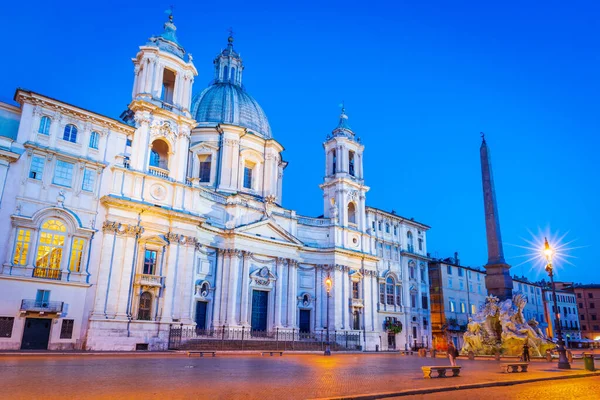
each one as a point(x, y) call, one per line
point(452, 354)
point(526, 357)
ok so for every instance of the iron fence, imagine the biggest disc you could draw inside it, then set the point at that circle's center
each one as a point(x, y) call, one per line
point(233, 338)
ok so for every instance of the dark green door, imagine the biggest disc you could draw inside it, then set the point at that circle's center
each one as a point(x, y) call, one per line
point(304, 321)
point(201, 315)
point(36, 334)
point(260, 301)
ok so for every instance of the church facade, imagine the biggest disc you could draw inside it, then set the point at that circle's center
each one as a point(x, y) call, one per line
point(115, 231)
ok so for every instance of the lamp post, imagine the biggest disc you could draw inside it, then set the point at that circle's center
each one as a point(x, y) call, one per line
point(563, 362)
point(328, 285)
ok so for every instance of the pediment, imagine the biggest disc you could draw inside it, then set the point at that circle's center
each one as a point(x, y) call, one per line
point(268, 229)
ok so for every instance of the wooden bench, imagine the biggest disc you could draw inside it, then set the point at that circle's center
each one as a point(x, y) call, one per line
point(271, 353)
point(201, 353)
point(514, 367)
point(441, 371)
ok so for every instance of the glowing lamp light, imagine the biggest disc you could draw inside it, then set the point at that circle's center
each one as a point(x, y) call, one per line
point(548, 251)
point(328, 284)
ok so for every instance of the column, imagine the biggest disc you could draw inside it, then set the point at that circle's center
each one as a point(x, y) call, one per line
point(317, 302)
point(187, 277)
point(114, 282)
point(245, 289)
point(233, 281)
point(170, 284)
point(126, 277)
point(109, 238)
point(292, 270)
point(278, 292)
point(223, 285)
point(338, 292)
point(217, 293)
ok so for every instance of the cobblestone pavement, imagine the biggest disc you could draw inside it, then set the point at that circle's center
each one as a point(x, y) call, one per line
point(580, 389)
point(237, 376)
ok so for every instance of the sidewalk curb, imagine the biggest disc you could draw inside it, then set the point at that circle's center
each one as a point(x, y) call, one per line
point(439, 389)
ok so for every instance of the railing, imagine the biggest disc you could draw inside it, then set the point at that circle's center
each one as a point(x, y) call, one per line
point(48, 273)
point(149, 280)
point(189, 181)
point(219, 198)
point(160, 172)
point(314, 221)
point(41, 306)
point(227, 338)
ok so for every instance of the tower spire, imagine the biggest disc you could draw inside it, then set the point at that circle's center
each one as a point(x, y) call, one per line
point(498, 280)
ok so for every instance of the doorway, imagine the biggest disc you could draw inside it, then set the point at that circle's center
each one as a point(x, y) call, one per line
point(36, 334)
point(391, 341)
point(201, 315)
point(260, 301)
point(304, 321)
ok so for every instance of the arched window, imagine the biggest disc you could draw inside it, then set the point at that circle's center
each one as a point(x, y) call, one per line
point(411, 271)
point(94, 139)
point(333, 161)
point(159, 154)
point(420, 241)
point(50, 249)
point(144, 311)
point(44, 125)
point(225, 73)
point(390, 290)
point(70, 133)
point(351, 163)
point(232, 74)
point(351, 213)
point(409, 238)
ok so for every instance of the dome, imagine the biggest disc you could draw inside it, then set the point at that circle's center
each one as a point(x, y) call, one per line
point(225, 102)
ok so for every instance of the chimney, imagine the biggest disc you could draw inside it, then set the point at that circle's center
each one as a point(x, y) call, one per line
point(456, 260)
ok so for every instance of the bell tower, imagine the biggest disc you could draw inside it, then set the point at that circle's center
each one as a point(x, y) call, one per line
point(344, 192)
point(161, 98)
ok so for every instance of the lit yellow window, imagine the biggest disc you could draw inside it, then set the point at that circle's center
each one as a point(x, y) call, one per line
point(76, 253)
point(22, 247)
point(52, 241)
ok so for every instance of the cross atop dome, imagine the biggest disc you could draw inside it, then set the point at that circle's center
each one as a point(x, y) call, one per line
point(228, 64)
point(343, 129)
point(167, 40)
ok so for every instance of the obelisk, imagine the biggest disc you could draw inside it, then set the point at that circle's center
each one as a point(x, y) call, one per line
point(498, 280)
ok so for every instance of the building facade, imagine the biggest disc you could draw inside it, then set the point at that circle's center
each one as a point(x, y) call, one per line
point(117, 230)
point(567, 313)
point(588, 301)
point(457, 293)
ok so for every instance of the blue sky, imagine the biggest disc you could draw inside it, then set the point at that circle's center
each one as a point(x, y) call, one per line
point(420, 80)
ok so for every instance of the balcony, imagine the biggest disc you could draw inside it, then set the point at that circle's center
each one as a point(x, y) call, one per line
point(47, 273)
point(160, 172)
point(356, 302)
point(149, 280)
point(50, 307)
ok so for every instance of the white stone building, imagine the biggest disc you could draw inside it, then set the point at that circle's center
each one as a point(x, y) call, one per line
point(116, 230)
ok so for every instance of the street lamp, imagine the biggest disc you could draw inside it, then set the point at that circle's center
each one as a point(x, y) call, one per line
point(328, 285)
point(563, 362)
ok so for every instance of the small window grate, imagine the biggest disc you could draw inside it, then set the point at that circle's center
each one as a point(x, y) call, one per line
point(66, 329)
point(6, 326)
